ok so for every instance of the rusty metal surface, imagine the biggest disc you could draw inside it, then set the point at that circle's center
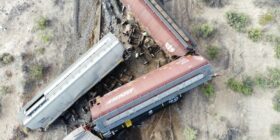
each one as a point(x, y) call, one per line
point(155, 27)
point(146, 83)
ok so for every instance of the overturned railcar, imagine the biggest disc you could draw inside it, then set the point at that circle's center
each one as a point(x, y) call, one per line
point(143, 96)
point(160, 26)
point(59, 95)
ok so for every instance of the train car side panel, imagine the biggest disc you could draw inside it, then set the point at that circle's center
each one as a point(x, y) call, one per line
point(150, 101)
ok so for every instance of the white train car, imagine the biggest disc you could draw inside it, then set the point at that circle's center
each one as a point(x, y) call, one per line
point(59, 95)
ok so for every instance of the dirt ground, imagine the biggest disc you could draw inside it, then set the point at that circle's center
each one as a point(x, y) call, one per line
point(226, 116)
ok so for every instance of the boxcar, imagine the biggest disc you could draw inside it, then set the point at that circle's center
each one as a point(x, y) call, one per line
point(148, 93)
point(59, 95)
point(160, 26)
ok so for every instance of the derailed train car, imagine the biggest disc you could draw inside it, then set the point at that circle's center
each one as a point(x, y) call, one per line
point(59, 95)
point(143, 96)
point(160, 26)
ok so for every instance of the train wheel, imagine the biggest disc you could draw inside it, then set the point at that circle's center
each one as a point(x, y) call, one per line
point(174, 100)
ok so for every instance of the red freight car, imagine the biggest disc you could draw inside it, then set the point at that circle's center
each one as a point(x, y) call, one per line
point(160, 27)
point(157, 88)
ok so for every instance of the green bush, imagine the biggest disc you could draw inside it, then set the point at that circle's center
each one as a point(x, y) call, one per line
point(213, 52)
point(204, 30)
point(6, 58)
point(277, 51)
point(266, 18)
point(275, 130)
point(276, 102)
point(255, 34)
point(245, 86)
point(37, 72)
point(271, 79)
point(42, 23)
point(208, 90)
point(238, 21)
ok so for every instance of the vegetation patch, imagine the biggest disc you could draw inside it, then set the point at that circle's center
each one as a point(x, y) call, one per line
point(215, 3)
point(272, 38)
point(213, 52)
point(37, 72)
point(208, 90)
point(276, 102)
point(275, 130)
point(204, 30)
point(266, 18)
point(5, 90)
point(46, 37)
point(269, 80)
point(255, 34)
point(277, 51)
point(42, 23)
point(6, 58)
point(245, 86)
point(40, 50)
point(238, 21)
point(190, 134)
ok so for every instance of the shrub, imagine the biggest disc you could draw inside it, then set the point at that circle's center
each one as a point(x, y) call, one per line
point(46, 37)
point(6, 58)
point(255, 34)
point(274, 77)
point(5, 90)
point(272, 38)
point(266, 18)
point(204, 30)
point(215, 3)
point(37, 72)
point(208, 90)
point(238, 21)
point(213, 52)
point(42, 23)
point(269, 80)
point(276, 102)
point(277, 51)
point(275, 130)
point(245, 86)
point(40, 50)
point(190, 134)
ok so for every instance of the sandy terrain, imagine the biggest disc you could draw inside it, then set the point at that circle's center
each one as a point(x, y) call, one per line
point(226, 116)
point(18, 21)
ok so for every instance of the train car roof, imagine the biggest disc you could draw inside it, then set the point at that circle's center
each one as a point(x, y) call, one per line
point(146, 83)
point(73, 69)
point(158, 27)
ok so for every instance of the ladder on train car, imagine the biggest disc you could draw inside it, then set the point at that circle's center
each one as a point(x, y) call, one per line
point(186, 40)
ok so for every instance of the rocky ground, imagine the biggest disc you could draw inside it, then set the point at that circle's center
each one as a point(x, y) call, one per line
point(72, 27)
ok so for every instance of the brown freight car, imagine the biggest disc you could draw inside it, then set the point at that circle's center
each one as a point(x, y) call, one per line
point(159, 26)
point(143, 95)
